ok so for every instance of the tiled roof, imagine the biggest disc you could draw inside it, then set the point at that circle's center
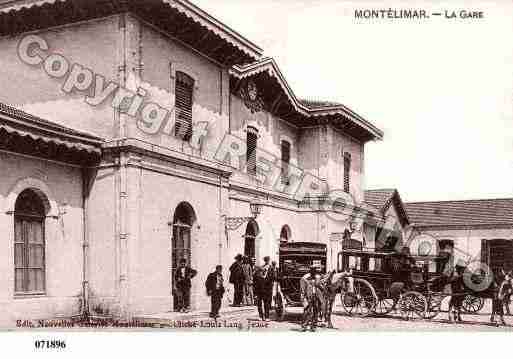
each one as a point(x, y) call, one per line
point(378, 198)
point(16, 113)
point(383, 198)
point(462, 213)
point(315, 103)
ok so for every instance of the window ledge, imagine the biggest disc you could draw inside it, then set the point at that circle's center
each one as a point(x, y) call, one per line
point(29, 295)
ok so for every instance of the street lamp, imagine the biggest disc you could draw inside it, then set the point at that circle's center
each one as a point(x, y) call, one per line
point(255, 207)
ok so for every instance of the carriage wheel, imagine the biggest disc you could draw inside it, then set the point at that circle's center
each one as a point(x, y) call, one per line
point(279, 308)
point(384, 305)
point(472, 304)
point(362, 301)
point(412, 305)
point(434, 305)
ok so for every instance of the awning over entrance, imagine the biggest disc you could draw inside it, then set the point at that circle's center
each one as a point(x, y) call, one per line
point(24, 133)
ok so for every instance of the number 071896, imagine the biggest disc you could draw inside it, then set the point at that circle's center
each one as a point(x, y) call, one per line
point(50, 344)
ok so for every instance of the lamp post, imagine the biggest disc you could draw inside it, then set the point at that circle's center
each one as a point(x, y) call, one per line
point(232, 223)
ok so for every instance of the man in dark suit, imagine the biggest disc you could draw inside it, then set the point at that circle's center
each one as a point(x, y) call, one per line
point(264, 280)
point(215, 289)
point(237, 279)
point(182, 279)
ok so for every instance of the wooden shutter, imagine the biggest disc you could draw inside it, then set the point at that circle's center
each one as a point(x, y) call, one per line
point(251, 146)
point(285, 158)
point(347, 171)
point(184, 87)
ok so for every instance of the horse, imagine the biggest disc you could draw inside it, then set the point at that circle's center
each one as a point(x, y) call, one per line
point(497, 291)
point(321, 304)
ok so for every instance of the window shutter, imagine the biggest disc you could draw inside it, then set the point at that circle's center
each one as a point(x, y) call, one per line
point(484, 251)
point(184, 87)
point(251, 146)
point(347, 171)
point(285, 158)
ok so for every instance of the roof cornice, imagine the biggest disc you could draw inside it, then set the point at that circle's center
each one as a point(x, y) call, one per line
point(270, 66)
point(87, 9)
point(232, 36)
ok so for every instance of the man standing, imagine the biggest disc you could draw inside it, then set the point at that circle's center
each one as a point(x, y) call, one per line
point(264, 280)
point(237, 279)
point(182, 279)
point(215, 289)
point(311, 298)
point(248, 281)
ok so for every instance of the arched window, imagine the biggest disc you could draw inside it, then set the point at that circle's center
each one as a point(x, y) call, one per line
point(29, 243)
point(285, 234)
point(249, 239)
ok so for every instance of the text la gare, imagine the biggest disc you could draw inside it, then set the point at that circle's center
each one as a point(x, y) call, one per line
point(464, 14)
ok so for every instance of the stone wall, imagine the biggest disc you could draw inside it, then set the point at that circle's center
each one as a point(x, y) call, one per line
point(61, 186)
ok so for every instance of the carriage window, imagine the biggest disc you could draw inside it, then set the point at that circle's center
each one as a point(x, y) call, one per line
point(372, 264)
point(355, 263)
point(375, 264)
point(432, 267)
point(379, 264)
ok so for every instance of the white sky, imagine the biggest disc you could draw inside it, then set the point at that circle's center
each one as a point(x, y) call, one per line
point(442, 90)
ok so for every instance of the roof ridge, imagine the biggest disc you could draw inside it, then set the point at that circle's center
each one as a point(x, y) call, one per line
point(380, 189)
point(464, 200)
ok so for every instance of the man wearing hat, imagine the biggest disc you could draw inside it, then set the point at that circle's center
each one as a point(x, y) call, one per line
point(457, 287)
point(308, 290)
point(263, 282)
point(237, 279)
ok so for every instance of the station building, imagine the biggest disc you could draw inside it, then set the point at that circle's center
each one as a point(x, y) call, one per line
point(98, 204)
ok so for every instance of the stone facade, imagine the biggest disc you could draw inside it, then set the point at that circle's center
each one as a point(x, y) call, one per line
point(109, 244)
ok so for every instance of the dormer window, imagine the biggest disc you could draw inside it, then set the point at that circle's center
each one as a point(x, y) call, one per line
point(184, 87)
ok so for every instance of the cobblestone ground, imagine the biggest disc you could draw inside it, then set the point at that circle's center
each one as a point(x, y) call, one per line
point(343, 322)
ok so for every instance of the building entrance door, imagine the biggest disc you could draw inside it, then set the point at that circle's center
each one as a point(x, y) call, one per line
point(498, 254)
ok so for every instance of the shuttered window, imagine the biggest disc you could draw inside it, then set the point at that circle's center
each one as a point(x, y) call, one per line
point(347, 171)
point(285, 161)
point(251, 146)
point(184, 86)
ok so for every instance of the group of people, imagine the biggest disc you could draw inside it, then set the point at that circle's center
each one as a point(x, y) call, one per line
point(253, 284)
point(182, 283)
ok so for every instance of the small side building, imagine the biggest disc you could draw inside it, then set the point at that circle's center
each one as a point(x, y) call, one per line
point(475, 230)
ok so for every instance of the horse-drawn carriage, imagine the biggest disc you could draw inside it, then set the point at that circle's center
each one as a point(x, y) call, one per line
point(295, 261)
point(402, 282)
point(373, 282)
